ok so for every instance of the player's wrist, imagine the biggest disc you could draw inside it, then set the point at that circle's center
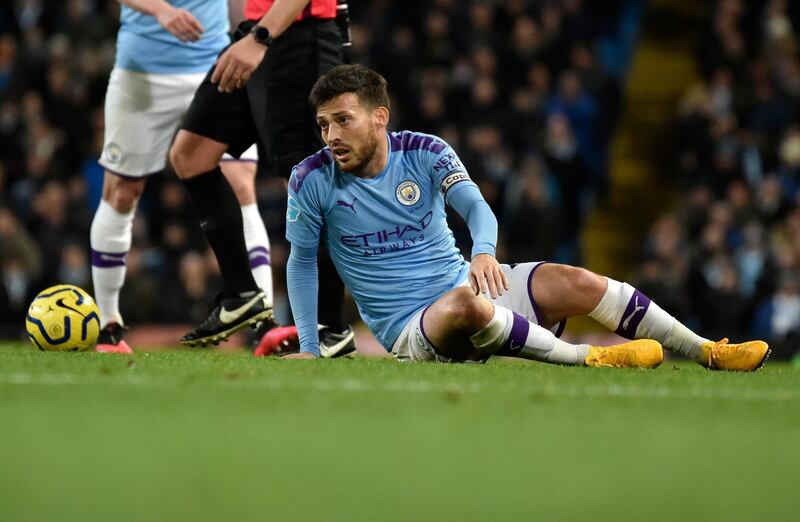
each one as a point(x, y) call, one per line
point(162, 9)
point(483, 252)
point(261, 35)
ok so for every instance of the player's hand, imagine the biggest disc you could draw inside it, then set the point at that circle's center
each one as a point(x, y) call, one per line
point(485, 272)
point(180, 22)
point(235, 66)
point(299, 355)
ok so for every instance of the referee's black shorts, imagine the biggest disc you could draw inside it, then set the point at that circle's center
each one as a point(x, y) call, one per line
point(273, 109)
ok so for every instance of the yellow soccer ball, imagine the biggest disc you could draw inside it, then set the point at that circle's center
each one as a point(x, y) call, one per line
point(63, 318)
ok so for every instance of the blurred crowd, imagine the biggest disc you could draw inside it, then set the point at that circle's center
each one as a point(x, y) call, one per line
point(526, 91)
point(523, 91)
point(728, 257)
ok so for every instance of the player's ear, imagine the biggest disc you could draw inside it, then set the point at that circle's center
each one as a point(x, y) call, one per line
point(381, 115)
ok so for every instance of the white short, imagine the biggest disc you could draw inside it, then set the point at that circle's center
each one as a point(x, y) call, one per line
point(250, 155)
point(413, 345)
point(142, 113)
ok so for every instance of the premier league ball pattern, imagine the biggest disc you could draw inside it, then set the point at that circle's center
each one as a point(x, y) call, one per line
point(63, 318)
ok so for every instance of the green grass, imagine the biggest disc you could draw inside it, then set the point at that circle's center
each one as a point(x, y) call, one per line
point(207, 436)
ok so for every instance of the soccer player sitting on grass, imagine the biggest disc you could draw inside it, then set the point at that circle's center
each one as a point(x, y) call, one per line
point(378, 200)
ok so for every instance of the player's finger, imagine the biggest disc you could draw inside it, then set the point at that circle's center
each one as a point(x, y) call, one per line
point(187, 30)
point(176, 31)
point(482, 282)
point(191, 30)
point(473, 282)
point(504, 278)
point(222, 64)
point(492, 285)
point(195, 24)
point(233, 83)
point(498, 281)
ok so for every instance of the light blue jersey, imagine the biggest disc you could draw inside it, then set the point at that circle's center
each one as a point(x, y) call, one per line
point(387, 235)
point(144, 46)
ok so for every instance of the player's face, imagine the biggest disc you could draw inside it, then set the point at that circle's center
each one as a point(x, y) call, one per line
point(353, 133)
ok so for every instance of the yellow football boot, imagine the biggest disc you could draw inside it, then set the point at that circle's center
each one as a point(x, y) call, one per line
point(743, 357)
point(641, 353)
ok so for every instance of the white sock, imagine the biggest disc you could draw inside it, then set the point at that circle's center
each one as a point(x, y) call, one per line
point(510, 334)
point(257, 241)
point(631, 314)
point(110, 238)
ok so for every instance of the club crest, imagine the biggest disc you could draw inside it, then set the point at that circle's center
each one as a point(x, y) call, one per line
point(113, 153)
point(408, 193)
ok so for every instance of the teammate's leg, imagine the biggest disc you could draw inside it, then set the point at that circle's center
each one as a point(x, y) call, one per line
point(563, 291)
point(241, 174)
point(110, 238)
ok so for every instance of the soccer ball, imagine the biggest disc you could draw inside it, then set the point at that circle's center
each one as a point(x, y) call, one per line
point(63, 318)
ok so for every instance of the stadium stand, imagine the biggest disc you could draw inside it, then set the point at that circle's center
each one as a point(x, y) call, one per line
point(727, 256)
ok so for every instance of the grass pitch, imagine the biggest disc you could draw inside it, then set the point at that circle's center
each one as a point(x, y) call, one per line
point(201, 435)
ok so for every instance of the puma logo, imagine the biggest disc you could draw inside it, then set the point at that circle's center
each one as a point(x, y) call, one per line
point(351, 206)
point(636, 308)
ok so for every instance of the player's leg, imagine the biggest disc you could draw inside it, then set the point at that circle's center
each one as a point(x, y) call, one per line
point(563, 291)
point(141, 114)
point(110, 238)
point(462, 326)
point(215, 123)
point(241, 174)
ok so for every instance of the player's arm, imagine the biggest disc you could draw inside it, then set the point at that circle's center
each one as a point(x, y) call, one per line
point(484, 270)
point(238, 62)
point(303, 286)
point(179, 22)
point(459, 191)
point(303, 228)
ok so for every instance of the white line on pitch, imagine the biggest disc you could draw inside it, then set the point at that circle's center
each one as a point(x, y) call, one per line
point(401, 386)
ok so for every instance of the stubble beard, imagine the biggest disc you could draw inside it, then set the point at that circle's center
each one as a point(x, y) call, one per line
point(367, 154)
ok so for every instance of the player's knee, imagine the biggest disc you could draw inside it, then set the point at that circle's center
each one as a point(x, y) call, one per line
point(125, 195)
point(586, 286)
point(181, 160)
point(465, 310)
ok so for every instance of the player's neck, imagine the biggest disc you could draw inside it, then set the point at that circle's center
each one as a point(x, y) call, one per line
point(378, 161)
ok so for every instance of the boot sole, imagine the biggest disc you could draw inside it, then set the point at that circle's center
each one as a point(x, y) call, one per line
point(225, 334)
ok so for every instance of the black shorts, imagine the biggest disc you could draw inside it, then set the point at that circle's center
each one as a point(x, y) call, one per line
point(273, 109)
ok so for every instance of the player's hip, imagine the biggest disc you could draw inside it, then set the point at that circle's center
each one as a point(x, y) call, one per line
point(149, 92)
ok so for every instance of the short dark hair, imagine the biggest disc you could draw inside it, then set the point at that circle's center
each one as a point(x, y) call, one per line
point(369, 86)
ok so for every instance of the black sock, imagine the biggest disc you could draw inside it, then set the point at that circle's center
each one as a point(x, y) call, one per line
point(221, 221)
point(331, 293)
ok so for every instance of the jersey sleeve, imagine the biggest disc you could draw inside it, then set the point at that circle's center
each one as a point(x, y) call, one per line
point(447, 171)
point(303, 213)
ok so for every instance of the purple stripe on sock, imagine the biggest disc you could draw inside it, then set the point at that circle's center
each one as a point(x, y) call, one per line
point(634, 313)
point(530, 292)
point(108, 259)
point(259, 256)
point(518, 336)
point(259, 261)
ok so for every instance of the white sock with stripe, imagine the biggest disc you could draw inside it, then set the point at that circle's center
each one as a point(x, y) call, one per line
point(257, 241)
point(110, 238)
point(631, 314)
point(511, 335)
